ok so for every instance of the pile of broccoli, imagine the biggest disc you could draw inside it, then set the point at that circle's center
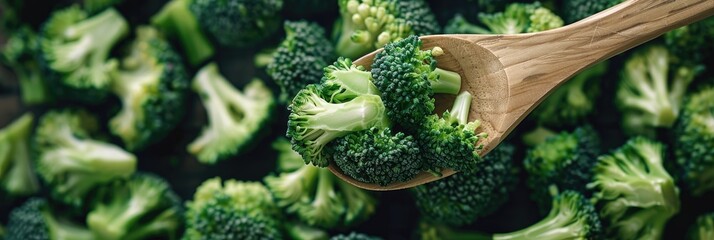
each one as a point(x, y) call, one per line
point(245, 119)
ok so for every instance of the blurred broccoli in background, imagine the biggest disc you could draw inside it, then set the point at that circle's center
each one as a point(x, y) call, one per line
point(17, 176)
point(71, 160)
point(692, 43)
point(464, 197)
point(20, 53)
point(300, 58)
point(516, 18)
point(232, 210)
point(175, 19)
point(94, 6)
point(635, 194)
point(703, 229)
point(651, 90)
point(37, 219)
point(152, 84)
point(75, 49)
point(575, 10)
point(236, 119)
point(237, 23)
point(694, 141)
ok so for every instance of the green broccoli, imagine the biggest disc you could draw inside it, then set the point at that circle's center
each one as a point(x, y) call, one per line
point(36, 219)
point(651, 89)
point(354, 236)
point(17, 177)
point(300, 58)
point(563, 162)
point(20, 53)
point(460, 25)
point(570, 103)
point(572, 216)
point(451, 141)
point(694, 141)
point(517, 18)
point(152, 83)
point(315, 195)
point(463, 197)
point(232, 210)
point(345, 102)
point(238, 23)
point(94, 6)
point(70, 159)
point(692, 43)
point(703, 229)
point(74, 49)
point(176, 20)
point(236, 118)
point(636, 194)
point(408, 77)
point(574, 10)
point(298, 230)
point(366, 25)
point(141, 207)
point(537, 136)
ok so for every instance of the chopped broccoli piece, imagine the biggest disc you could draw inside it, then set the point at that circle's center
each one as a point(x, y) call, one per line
point(20, 53)
point(17, 177)
point(703, 229)
point(574, 10)
point(354, 236)
point(237, 23)
point(36, 219)
point(176, 19)
point(651, 89)
point(366, 25)
point(636, 194)
point(692, 43)
point(564, 161)
point(75, 51)
point(70, 159)
point(694, 141)
point(451, 141)
point(520, 18)
point(152, 83)
point(572, 216)
point(232, 210)
point(235, 118)
point(300, 58)
point(343, 81)
point(141, 207)
point(407, 78)
point(463, 197)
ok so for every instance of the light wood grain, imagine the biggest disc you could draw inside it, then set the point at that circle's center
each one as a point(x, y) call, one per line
point(509, 75)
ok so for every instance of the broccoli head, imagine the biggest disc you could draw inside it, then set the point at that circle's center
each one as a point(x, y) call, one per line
point(564, 161)
point(463, 197)
point(300, 58)
point(36, 219)
point(152, 83)
point(516, 18)
point(232, 210)
point(703, 228)
point(237, 22)
point(69, 158)
point(141, 207)
point(636, 194)
point(75, 52)
point(19, 53)
point(407, 78)
point(651, 89)
point(175, 19)
point(366, 25)
point(17, 177)
point(574, 10)
point(692, 42)
point(236, 119)
point(694, 142)
point(354, 236)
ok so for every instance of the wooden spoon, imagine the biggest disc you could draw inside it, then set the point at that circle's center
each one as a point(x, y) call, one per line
point(509, 75)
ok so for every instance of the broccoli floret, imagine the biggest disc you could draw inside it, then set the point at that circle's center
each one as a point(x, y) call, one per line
point(703, 229)
point(298, 230)
point(570, 103)
point(354, 236)
point(70, 159)
point(692, 43)
point(366, 25)
point(142, 207)
point(564, 162)
point(574, 10)
point(176, 19)
point(520, 18)
point(238, 23)
point(343, 81)
point(694, 141)
point(36, 219)
point(316, 196)
point(459, 25)
point(451, 141)
point(152, 83)
point(94, 6)
point(651, 89)
point(636, 194)
point(407, 78)
point(463, 197)
point(572, 216)
point(20, 53)
point(235, 118)
point(17, 177)
point(75, 51)
point(537, 136)
point(232, 210)
point(300, 58)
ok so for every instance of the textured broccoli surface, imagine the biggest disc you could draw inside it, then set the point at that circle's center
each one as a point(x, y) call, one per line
point(20, 53)
point(692, 43)
point(237, 22)
point(516, 18)
point(36, 219)
point(175, 19)
point(574, 10)
point(694, 141)
point(17, 177)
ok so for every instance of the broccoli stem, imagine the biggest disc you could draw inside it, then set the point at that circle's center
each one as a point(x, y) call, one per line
point(448, 82)
point(353, 43)
point(164, 223)
point(61, 230)
point(33, 88)
point(462, 107)
point(176, 18)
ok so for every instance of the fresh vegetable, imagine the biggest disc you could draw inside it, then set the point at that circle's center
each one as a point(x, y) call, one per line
point(37, 219)
point(17, 177)
point(694, 142)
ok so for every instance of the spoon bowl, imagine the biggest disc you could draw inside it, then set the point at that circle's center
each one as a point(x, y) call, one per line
point(509, 75)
